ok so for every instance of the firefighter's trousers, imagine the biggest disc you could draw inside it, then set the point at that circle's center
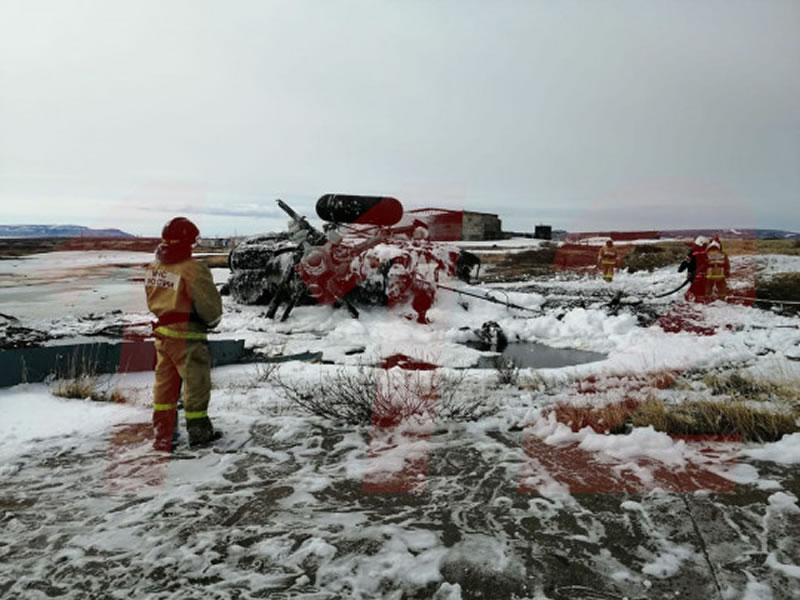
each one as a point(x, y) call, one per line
point(697, 290)
point(716, 289)
point(187, 361)
point(608, 271)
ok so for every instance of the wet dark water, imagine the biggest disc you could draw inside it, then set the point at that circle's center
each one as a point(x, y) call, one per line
point(539, 356)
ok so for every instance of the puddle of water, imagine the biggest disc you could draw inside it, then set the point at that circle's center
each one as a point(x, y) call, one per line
point(539, 356)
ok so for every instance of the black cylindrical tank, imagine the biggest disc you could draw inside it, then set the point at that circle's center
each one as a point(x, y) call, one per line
point(366, 210)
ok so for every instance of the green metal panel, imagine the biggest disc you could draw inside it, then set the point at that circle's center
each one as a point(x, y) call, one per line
point(32, 365)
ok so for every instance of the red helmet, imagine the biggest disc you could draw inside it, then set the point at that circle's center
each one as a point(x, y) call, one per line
point(180, 230)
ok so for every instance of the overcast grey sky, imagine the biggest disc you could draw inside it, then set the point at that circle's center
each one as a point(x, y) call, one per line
point(583, 114)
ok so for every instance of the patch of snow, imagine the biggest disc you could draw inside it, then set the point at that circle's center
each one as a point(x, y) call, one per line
point(33, 419)
point(785, 451)
point(739, 472)
point(766, 264)
point(783, 502)
point(668, 562)
point(790, 570)
point(768, 484)
point(755, 590)
point(644, 442)
point(448, 591)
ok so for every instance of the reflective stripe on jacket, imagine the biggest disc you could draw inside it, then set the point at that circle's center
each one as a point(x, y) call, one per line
point(717, 264)
point(608, 257)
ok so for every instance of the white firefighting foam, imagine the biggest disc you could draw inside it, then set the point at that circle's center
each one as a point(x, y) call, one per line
point(290, 512)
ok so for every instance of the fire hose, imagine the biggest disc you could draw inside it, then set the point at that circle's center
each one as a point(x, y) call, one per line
point(487, 298)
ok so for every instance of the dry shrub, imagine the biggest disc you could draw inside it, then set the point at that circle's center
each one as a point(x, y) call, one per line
point(712, 417)
point(385, 397)
point(783, 286)
point(519, 265)
point(115, 396)
point(507, 371)
point(266, 371)
point(609, 418)
point(535, 383)
point(651, 256)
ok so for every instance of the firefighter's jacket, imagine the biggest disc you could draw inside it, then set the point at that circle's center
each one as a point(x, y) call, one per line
point(607, 256)
point(695, 262)
point(717, 264)
point(181, 293)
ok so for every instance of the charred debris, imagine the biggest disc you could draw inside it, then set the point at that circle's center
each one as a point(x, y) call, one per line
point(362, 258)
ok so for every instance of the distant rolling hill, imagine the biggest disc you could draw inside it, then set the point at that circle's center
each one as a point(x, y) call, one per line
point(59, 231)
point(747, 234)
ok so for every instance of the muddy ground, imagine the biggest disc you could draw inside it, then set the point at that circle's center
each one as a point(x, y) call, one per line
point(472, 498)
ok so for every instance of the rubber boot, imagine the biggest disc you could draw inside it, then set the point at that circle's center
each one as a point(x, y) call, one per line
point(164, 430)
point(201, 432)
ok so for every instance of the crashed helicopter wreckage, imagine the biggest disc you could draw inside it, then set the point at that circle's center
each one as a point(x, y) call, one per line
point(362, 259)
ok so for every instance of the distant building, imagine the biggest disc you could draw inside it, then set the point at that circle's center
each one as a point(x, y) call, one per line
point(543, 232)
point(477, 226)
point(457, 225)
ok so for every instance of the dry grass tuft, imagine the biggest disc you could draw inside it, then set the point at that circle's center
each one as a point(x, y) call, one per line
point(713, 417)
point(81, 387)
point(507, 371)
point(610, 418)
point(78, 379)
point(729, 412)
point(75, 380)
point(747, 387)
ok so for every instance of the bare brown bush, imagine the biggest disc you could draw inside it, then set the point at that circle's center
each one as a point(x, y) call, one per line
point(385, 397)
point(647, 257)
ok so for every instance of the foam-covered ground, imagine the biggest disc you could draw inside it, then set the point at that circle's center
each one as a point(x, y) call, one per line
point(514, 504)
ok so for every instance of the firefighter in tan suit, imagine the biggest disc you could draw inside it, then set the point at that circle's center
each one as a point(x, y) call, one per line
point(718, 269)
point(181, 293)
point(607, 260)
